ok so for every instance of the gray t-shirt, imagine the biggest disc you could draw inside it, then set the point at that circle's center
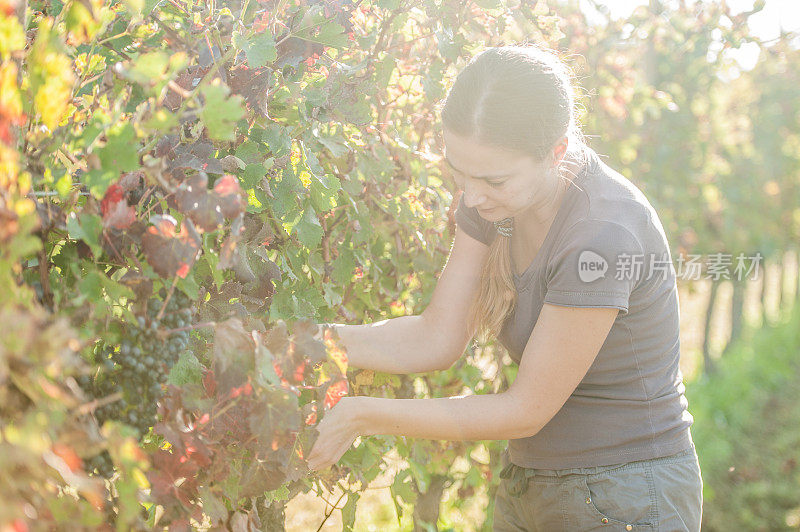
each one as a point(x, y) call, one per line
point(605, 248)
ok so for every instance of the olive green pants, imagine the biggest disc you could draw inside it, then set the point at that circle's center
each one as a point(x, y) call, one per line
point(662, 494)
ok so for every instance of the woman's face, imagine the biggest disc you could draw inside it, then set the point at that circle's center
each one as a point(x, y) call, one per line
point(498, 182)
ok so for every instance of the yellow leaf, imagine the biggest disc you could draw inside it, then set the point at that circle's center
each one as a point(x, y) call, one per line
point(363, 378)
point(336, 352)
point(10, 101)
point(140, 478)
point(12, 36)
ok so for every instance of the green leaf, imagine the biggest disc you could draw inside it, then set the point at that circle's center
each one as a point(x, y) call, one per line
point(331, 295)
point(135, 7)
point(324, 191)
point(421, 475)
point(489, 4)
point(343, 267)
point(402, 489)
point(189, 286)
point(91, 287)
point(349, 511)
point(324, 187)
point(277, 139)
point(328, 34)
point(92, 129)
point(117, 291)
point(211, 260)
point(212, 506)
point(249, 152)
point(220, 112)
point(161, 120)
point(389, 5)
point(149, 67)
point(86, 227)
point(64, 185)
point(308, 229)
point(280, 494)
point(253, 174)
point(259, 48)
point(119, 155)
point(335, 145)
point(187, 370)
point(95, 285)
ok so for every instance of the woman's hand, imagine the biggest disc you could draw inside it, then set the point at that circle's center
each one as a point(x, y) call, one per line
point(337, 431)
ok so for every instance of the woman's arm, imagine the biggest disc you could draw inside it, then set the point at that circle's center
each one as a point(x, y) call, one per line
point(470, 417)
point(432, 340)
point(399, 345)
point(553, 363)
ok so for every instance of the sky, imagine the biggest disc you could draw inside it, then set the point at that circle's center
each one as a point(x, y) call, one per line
point(777, 15)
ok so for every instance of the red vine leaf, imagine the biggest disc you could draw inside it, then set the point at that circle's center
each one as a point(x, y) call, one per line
point(172, 479)
point(209, 209)
point(335, 391)
point(167, 252)
point(196, 156)
point(233, 354)
point(262, 476)
point(229, 196)
point(251, 84)
point(116, 211)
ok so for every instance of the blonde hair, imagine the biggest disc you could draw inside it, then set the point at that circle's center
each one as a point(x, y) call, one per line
point(519, 98)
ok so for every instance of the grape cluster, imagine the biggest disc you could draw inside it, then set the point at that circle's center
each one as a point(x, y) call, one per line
point(101, 463)
point(149, 352)
point(103, 386)
point(138, 367)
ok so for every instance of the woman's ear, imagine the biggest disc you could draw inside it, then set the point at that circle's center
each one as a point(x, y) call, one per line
point(559, 150)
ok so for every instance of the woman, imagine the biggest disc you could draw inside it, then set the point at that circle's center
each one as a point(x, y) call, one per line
point(567, 263)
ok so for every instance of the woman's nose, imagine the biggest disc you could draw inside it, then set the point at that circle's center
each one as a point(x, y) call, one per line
point(473, 197)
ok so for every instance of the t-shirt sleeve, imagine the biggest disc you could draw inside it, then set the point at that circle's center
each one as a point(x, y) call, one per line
point(468, 219)
point(594, 266)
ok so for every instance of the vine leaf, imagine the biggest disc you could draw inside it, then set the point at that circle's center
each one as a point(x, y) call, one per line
point(335, 390)
point(116, 211)
point(86, 227)
point(118, 155)
point(220, 112)
point(306, 344)
point(167, 252)
point(173, 479)
point(259, 49)
point(196, 156)
point(209, 209)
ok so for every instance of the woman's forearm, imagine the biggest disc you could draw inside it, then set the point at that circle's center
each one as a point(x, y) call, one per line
point(399, 345)
point(473, 417)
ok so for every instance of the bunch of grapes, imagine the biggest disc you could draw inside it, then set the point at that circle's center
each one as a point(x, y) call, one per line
point(149, 352)
point(136, 370)
point(104, 388)
point(101, 463)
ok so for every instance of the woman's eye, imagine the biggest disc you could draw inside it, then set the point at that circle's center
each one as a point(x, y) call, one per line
point(496, 184)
